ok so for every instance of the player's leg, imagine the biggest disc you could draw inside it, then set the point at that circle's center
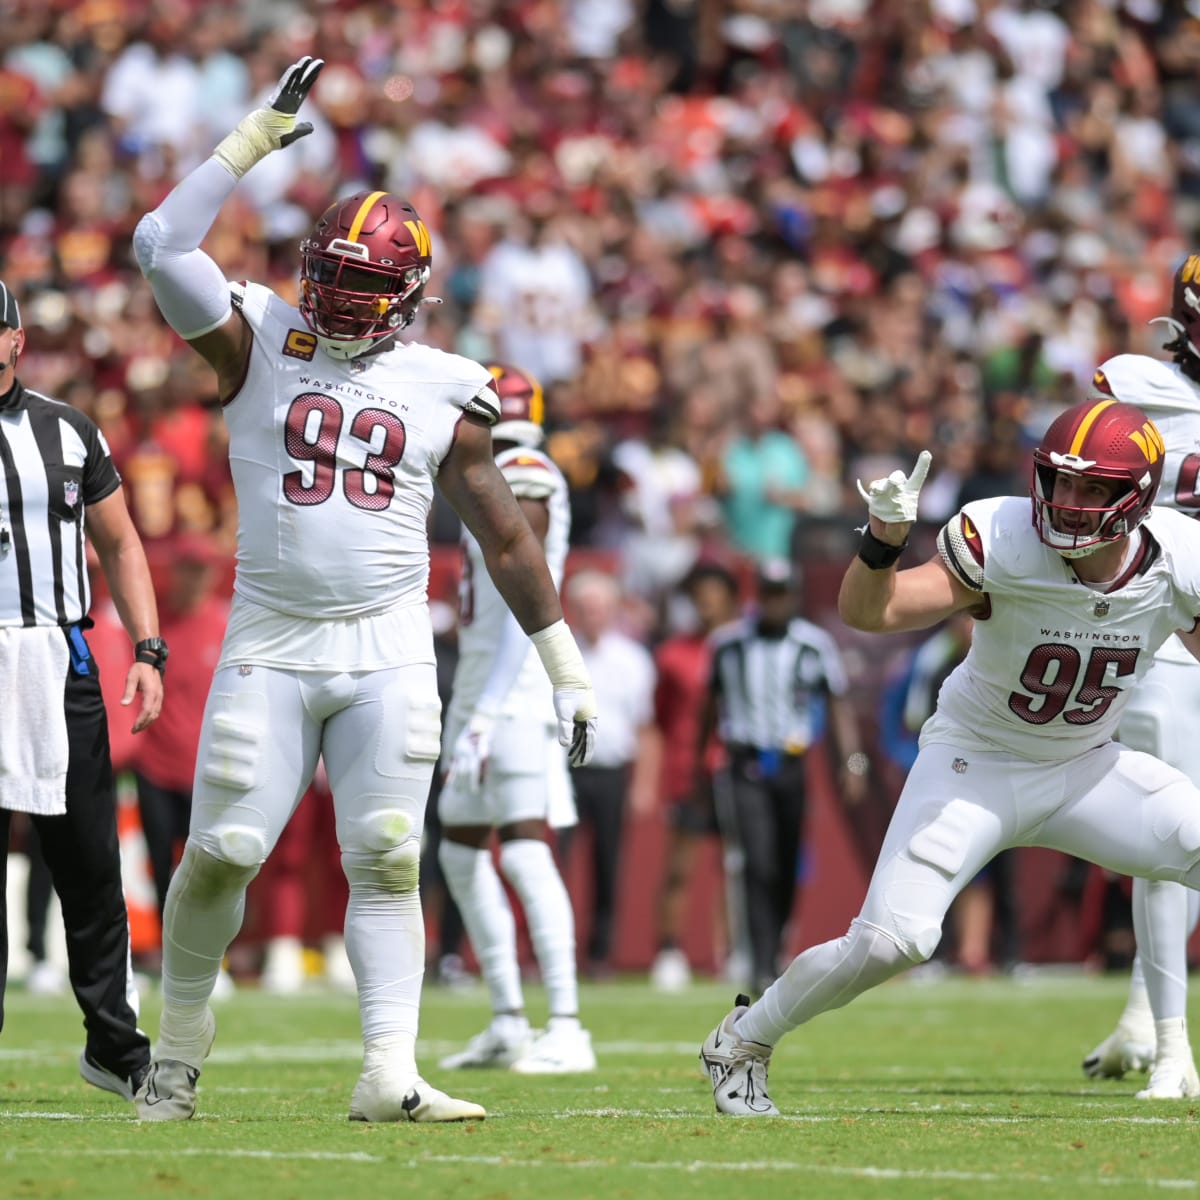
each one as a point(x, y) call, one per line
point(1169, 694)
point(529, 782)
point(258, 749)
point(1143, 819)
point(465, 857)
point(947, 824)
point(380, 750)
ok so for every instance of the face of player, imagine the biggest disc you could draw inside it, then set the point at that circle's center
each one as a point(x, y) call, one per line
point(1078, 501)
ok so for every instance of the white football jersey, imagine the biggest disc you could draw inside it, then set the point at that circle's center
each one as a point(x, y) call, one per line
point(333, 464)
point(1172, 401)
point(482, 610)
point(1052, 661)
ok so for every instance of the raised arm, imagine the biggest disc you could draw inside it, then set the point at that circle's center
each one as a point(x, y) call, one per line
point(191, 290)
point(478, 492)
point(874, 596)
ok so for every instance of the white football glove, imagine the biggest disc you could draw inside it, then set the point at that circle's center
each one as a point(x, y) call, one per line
point(894, 500)
point(472, 749)
point(576, 711)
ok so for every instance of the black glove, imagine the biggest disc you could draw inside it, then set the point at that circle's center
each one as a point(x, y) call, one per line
point(294, 86)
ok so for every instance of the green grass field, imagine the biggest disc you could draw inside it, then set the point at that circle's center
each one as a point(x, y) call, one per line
point(954, 1089)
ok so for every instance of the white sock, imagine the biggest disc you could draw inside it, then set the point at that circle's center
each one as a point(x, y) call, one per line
point(385, 942)
point(473, 882)
point(1171, 1039)
point(203, 912)
point(1160, 921)
point(529, 866)
point(822, 978)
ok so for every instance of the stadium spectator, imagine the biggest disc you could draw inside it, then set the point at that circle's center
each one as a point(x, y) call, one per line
point(623, 774)
point(682, 666)
point(329, 637)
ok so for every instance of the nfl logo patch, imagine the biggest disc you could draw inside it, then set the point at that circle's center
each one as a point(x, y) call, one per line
point(959, 766)
point(71, 492)
point(1100, 608)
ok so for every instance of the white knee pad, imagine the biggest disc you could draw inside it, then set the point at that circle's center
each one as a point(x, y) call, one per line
point(387, 857)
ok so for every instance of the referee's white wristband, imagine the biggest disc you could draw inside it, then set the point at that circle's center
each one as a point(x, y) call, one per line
point(560, 656)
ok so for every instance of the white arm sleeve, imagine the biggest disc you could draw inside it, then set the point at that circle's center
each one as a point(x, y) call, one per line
point(511, 652)
point(191, 290)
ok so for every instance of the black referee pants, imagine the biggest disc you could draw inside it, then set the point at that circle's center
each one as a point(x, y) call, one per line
point(600, 802)
point(769, 796)
point(83, 855)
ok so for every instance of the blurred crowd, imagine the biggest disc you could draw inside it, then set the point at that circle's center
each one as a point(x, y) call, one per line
point(754, 249)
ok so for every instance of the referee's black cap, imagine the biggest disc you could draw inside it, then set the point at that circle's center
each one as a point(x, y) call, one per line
point(777, 575)
point(10, 314)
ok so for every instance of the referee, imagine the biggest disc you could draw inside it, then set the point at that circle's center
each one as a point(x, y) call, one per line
point(775, 681)
point(54, 755)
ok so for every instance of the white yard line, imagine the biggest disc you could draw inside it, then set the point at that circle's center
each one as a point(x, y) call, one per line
point(861, 1172)
point(197, 1152)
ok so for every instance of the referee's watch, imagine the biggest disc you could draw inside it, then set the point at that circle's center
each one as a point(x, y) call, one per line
point(153, 652)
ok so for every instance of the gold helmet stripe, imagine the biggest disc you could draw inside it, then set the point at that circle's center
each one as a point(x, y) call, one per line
point(1086, 424)
point(361, 216)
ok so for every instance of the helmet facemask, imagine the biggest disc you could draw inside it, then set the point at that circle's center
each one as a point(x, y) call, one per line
point(364, 270)
point(1116, 519)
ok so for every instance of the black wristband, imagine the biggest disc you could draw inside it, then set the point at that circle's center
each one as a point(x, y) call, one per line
point(153, 652)
point(879, 555)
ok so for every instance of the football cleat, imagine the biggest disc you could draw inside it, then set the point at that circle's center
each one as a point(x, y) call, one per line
point(559, 1051)
point(168, 1089)
point(110, 1081)
point(490, 1049)
point(738, 1069)
point(1130, 1047)
point(670, 972)
point(1172, 1079)
point(374, 1100)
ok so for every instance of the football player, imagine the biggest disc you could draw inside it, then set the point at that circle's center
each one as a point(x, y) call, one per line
point(338, 431)
point(507, 772)
point(1159, 719)
point(1069, 611)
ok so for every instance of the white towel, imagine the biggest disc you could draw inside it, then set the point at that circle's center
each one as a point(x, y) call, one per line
point(33, 726)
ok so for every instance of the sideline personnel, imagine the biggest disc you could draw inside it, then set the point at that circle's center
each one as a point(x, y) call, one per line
point(54, 751)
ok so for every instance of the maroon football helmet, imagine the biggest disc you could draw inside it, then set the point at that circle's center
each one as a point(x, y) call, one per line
point(522, 406)
point(363, 271)
point(1097, 439)
point(1185, 308)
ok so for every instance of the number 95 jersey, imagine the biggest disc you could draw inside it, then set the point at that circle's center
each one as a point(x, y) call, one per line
point(333, 464)
point(1052, 661)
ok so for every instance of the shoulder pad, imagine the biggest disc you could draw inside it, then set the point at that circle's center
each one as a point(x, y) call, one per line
point(1148, 382)
point(961, 548)
point(530, 474)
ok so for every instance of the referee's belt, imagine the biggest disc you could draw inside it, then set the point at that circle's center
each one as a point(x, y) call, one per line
point(765, 762)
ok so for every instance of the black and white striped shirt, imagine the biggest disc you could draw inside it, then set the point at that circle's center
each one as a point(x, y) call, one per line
point(771, 690)
point(54, 462)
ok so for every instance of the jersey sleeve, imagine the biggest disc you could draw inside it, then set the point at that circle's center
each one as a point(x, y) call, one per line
point(960, 544)
point(100, 477)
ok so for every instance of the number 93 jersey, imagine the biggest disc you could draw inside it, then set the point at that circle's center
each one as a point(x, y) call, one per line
point(333, 464)
point(1052, 661)
point(1172, 401)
